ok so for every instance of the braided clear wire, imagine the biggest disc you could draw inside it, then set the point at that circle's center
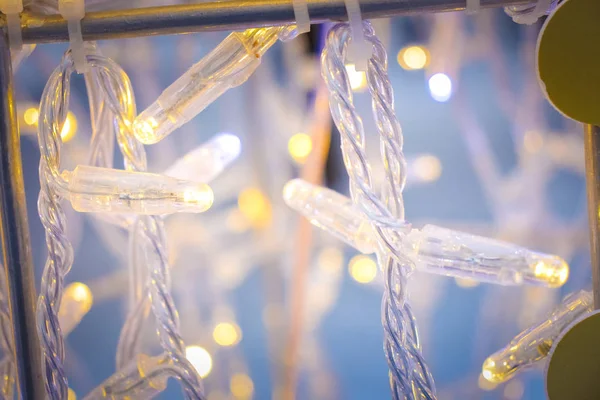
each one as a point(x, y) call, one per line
point(7, 366)
point(150, 232)
point(530, 13)
point(411, 378)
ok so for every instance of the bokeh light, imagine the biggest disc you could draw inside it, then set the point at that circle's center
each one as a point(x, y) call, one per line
point(440, 87)
point(256, 207)
point(413, 57)
point(241, 386)
point(427, 168)
point(299, 147)
point(30, 116)
point(363, 269)
point(227, 334)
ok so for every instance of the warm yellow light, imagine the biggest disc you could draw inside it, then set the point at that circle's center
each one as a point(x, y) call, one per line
point(554, 271)
point(486, 385)
point(413, 57)
point(201, 195)
point(466, 283)
point(330, 259)
point(363, 269)
point(145, 129)
point(69, 128)
point(358, 79)
point(71, 395)
point(200, 359)
point(514, 390)
point(241, 386)
point(226, 334)
point(80, 293)
point(31, 116)
point(427, 168)
point(256, 207)
point(299, 147)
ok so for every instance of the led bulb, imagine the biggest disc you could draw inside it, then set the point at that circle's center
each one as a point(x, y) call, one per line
point(331, 212)
point(76, 302)
point(206, 162)
point(446, 252)
point(143, 379)
point(93, 189)
point(229, 65)
point(535, 343)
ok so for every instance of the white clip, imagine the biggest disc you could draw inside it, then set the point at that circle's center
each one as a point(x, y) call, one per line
point(360, 50)
point(301, 15)
point(74, 11)
point(530, 18)
point(13, 9)
point(473, 6)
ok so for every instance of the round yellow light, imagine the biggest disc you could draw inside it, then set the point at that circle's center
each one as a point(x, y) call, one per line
point(227, 334)
point(413, 57)
point(428, 168)
point(31, 116)
point(71, 395)
point(358, 79)
point(200, 359)
point(256, 207)
point(363, 269)
point(80, 293)
point(241, 386)
point(299, 147)
point(69, 128)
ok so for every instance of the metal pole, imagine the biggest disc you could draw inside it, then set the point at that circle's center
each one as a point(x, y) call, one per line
point(228, 15)
point(592, 174)
point(14, 232)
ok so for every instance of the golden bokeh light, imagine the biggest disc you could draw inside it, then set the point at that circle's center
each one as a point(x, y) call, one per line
point(330, 259)
point(427, 168)
point(241, 386)
point(30, 116)
point(413, 57)
point(69, 128)
point(200, 359)
point(358, 79)
point(80, 293)
point(227, 334)
point(256, 207)
point(71, 395)
point(299, 147)
point(363, 269)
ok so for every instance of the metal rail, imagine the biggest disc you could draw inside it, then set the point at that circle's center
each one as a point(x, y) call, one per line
point(592, 174)
point(227, 15)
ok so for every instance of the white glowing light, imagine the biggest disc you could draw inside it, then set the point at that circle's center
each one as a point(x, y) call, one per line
point(440, 87)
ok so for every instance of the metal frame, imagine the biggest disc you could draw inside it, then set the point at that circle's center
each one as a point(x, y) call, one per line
point(126, 23)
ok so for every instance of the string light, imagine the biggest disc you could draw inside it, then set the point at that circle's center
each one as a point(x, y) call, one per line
point(440, 87)
point(69, 128)
point(358, 79)
point(363, 269)
point(227, 334)
point(299, 147)
point(413, 57)
point(200, 359)
point(31, 115)
point(241, 386)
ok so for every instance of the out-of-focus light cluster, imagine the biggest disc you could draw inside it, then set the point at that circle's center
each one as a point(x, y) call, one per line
point(440, 87)
point(358, 79)
point(227, 334)
point(413, 57)
point(363, 269)
point(69, 129)
point(200, 359)
point(255, 207)
point(299, 147)
point(241, 386)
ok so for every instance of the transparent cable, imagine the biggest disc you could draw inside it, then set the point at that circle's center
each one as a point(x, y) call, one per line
point(529, 14)
point(534, 344)
point(410, 376)
point(150, 235)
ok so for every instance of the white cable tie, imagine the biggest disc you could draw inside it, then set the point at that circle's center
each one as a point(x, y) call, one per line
point(74, 11)
point(473, 6)
point(301, 15)
point(13, 9)
point(360, 50)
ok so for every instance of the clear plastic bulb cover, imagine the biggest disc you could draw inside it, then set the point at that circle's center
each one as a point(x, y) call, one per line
point(535, 343)
point(94, 189)
point(331, 212)
point(451, 253)
point(206, 162)
point(76, 302)
point(229, 65)
point(143, 379)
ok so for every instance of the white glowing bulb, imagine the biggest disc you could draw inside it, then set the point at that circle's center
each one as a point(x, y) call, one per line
point(200, 359)
point(93, 189)
point(207, 161)
point(440, 87)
